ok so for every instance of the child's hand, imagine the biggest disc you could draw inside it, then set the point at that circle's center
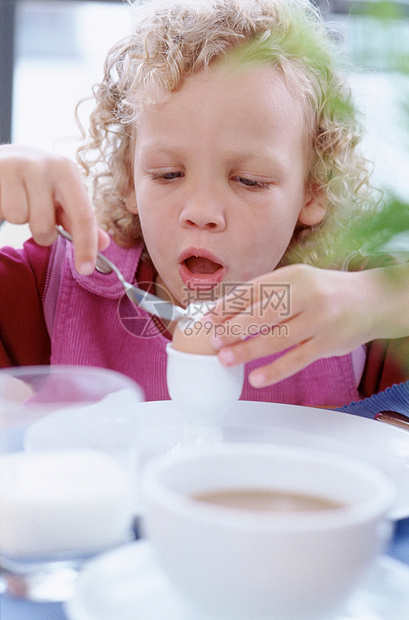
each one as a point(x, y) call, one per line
point(43, 190)
point(329, 313)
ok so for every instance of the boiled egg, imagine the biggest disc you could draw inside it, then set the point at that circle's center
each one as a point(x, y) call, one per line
point(194, 335)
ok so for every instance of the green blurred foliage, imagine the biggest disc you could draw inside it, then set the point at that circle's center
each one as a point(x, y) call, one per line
point(384, 10)
point(376, 233)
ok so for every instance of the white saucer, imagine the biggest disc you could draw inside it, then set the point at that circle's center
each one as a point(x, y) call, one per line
point(157, 427)
point(128, 584)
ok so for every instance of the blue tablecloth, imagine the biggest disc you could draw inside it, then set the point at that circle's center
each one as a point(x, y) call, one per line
point(12, 609)
point(395, 398)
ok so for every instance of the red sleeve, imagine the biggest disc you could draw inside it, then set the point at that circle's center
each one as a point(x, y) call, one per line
point(387, 363)
point(24, 339)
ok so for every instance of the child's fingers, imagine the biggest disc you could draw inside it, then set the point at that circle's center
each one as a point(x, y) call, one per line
point(103, 240)
point(45, 190)
point(254, 348)
point(13, 204)
point(255, 320)
point(41, 210)
point(42, 196)
point(285, 366)
point(234, 331)
point(263, 340)
point(268, 293)
point(76, 214)
point(13, 199)
point(85, 238)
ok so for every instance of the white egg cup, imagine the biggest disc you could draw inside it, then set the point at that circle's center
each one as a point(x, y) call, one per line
point(203, 390)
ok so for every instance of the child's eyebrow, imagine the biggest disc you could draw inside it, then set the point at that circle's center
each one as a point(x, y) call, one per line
point(158, 148)
point(269, 160)
point(260, 156)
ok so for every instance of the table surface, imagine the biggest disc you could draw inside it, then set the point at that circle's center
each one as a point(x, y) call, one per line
point(15, 609)
point(396, 398)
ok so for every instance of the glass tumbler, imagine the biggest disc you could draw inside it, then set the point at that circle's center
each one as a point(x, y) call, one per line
point(67, 474)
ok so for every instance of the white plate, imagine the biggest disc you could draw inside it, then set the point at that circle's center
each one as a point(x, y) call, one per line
point(128, 584)
point(158, 428)
point(383, 445)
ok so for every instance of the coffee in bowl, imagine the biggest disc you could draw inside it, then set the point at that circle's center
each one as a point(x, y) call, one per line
point(266, 500)
point(208, 515)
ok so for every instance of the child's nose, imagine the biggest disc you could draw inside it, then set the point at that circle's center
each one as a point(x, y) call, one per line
point(203, 211)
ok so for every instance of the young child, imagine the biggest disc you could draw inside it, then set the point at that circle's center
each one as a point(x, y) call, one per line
point(223, 154)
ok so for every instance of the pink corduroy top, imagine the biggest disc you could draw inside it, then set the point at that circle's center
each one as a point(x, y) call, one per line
point(92, 322)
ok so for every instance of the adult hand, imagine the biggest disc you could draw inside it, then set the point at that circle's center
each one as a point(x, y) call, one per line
point(43, 190)
point(328, 313)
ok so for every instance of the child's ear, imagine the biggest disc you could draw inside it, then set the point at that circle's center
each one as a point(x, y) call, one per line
point(315, 206)
point(130, 201)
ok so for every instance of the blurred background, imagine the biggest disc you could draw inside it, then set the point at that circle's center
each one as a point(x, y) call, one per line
point(52, 52)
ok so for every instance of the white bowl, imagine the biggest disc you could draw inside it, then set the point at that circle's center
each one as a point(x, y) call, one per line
point(237, 564)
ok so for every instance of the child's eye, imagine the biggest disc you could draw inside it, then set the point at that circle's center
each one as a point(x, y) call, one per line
point(167, 176)
point(251, 183)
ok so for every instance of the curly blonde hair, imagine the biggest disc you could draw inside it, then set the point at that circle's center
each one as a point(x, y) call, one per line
point(178, 38)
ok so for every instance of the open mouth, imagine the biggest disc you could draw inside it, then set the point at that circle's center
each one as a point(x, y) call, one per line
point(200, 271)
point(200, 264)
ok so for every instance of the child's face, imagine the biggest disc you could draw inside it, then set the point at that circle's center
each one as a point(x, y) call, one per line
point(220, 180)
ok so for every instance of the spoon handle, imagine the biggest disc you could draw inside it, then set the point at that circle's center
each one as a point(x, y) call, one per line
point(393, 417)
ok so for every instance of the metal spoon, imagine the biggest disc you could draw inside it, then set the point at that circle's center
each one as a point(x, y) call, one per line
point(393, 417)
point(148, 302)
